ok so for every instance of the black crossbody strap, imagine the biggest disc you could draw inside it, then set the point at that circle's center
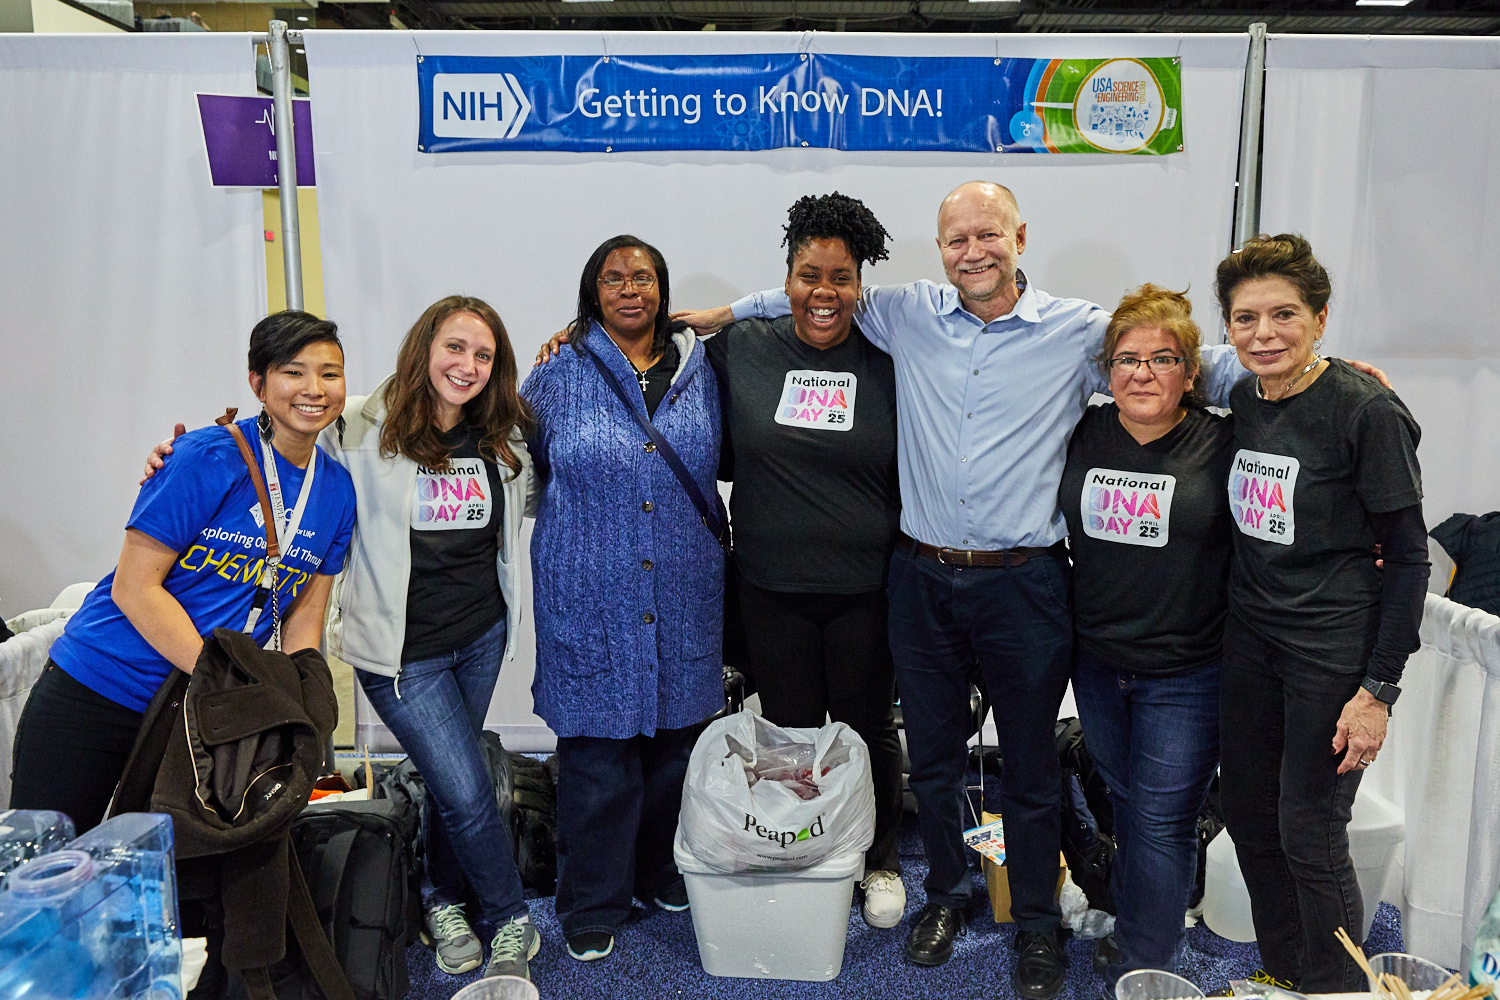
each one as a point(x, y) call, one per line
point(712, 518)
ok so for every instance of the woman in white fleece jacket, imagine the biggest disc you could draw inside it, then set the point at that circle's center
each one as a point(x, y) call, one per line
point(426, 610)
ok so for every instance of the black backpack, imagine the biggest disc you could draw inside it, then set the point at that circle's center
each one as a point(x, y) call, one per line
point(526, 795)
point(1087, 817)
point(358, 861)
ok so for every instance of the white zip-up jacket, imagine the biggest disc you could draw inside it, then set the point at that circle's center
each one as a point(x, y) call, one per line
point(367, 611)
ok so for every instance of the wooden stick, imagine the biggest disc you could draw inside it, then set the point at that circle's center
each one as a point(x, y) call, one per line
point(1450, 989)
point(1358, 955)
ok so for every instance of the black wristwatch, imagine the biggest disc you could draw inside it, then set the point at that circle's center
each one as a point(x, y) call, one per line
point(1381, 691)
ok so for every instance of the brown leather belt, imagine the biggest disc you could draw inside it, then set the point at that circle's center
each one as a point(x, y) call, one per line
point(1006, 558)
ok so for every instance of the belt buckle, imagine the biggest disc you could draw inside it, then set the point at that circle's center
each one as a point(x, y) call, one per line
point(966, 560)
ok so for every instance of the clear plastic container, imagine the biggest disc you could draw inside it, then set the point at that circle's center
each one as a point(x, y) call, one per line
point(1416, 973)
point(498, 988)
point(1154, 984)
point(30, 833)
point(97, 920)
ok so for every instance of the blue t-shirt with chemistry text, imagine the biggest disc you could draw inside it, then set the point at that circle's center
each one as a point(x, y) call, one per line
point(203, 506)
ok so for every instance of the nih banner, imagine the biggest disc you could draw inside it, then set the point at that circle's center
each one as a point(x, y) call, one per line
point(611, 104)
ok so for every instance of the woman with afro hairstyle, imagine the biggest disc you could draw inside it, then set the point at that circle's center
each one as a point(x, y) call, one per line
point(810, 444)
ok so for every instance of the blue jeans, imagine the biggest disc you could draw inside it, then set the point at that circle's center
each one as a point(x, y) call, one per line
point(1155, 741)
point(1288, 808)
point(1014, 627)
point(436, 708)
point(617, 806)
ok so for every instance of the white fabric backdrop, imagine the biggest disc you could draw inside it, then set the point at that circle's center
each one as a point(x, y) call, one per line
point(1441, 763)
point(402, 228)
point(128, 285)
point(1383, 152)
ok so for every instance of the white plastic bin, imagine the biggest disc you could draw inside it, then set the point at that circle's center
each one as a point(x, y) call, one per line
point(772, 925)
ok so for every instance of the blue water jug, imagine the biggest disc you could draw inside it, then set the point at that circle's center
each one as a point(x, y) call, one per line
point(96, 920)
point(27, 833)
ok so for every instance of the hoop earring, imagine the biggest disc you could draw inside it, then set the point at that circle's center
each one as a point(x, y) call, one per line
point(263, 424)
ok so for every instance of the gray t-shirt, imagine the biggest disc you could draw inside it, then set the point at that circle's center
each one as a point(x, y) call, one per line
point(810, 444)
point(1307, 473)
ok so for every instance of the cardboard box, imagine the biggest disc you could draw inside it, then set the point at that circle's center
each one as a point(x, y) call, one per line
point(998, 881)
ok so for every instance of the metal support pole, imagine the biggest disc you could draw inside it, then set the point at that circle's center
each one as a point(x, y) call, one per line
point(286, 161)
point(1247, 191)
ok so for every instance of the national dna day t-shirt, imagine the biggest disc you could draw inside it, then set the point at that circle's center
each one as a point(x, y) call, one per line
point(810, 442)
point(203, 506)
point(453, 595)
point(1148, 525)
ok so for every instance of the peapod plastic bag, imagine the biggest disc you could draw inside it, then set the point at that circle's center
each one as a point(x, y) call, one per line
point(759, 797)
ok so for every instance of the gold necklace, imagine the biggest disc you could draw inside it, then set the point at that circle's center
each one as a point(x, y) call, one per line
point(1260, 388)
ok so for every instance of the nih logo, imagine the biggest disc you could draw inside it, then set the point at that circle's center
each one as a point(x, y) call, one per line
point(478, 106)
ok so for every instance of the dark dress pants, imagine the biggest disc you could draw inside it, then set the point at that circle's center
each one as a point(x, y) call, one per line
point(1014, 626)
point(617, 806)
point(1288, 809)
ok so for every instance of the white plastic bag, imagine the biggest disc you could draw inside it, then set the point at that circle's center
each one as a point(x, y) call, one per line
point(762, 798)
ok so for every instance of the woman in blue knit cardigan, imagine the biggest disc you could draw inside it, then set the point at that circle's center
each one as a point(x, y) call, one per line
point(628, 589)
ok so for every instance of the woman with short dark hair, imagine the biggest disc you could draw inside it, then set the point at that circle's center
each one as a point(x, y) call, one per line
point(628, 588)
point(194, 560)
point(1325, 476)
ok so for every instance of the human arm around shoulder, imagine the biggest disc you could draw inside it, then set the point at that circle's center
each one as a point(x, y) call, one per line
point(139, 593)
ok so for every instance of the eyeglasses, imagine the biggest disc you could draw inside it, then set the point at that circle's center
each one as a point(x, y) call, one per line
point(1159, 364)
point(642, 282)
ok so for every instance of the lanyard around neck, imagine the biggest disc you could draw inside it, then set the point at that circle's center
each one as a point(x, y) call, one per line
point(285, 530)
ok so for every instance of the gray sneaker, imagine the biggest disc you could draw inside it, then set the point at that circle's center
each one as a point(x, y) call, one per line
point(515, 944)
point(447, 931)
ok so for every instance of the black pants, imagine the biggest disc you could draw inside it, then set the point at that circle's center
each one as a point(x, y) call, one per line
point(1288, 809)
point(71, 747)
point(826, 655)
point(617, 808)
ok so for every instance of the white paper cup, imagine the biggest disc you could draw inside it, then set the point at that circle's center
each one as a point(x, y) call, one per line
point(499, 988)
point(1154, 984)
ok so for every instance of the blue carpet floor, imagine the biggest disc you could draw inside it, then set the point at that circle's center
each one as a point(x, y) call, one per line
point(656, 958)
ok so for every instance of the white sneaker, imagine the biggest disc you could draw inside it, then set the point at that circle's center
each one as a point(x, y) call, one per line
point(885, 899)
point(448, 932)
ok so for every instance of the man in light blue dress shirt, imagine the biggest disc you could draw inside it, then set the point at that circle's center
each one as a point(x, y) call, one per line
point(992, 375)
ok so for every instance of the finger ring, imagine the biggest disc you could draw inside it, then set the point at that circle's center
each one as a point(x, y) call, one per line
point(1366, 763)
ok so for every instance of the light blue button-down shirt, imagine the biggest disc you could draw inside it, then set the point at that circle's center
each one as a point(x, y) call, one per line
point(985, 410)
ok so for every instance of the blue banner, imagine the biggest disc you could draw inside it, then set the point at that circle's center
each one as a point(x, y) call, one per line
point(607, 104)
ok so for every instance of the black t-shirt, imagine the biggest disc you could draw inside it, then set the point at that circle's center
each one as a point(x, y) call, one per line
point(816, 506)
point(659, 377)
point(1473, 543)
point(1148, 526)
point(454, 594)
point(1306, 474)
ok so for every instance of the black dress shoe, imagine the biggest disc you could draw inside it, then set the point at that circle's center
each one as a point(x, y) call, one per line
point(931, 939)
point(1039, 965)
point(1106, 952)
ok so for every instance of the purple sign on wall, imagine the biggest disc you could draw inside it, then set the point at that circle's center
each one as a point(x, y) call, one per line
point(240, 133)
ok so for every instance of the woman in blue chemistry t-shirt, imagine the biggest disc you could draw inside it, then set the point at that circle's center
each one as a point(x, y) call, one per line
point(193, 559)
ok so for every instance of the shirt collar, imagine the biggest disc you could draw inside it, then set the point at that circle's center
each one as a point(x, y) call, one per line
point(1024, 309)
